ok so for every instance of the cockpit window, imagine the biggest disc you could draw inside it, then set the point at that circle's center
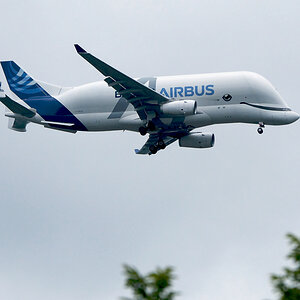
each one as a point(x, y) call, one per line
point(227, 97)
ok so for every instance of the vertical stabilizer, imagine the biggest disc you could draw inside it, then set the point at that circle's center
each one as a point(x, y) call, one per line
point(20, 83)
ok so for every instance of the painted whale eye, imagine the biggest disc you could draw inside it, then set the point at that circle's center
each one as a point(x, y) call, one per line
point(227, 97)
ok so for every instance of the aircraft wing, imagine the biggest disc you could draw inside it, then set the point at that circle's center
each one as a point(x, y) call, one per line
point(152, 141)
point(145, 100)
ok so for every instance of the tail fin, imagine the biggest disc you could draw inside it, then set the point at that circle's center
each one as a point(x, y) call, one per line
point(24, 86)
point(21, 83)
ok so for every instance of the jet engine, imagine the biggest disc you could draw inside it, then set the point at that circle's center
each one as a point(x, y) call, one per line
point(197, 140)
point(179, 108)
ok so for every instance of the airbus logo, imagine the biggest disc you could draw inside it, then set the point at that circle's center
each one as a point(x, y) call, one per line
point(188, 91)
point(185, 91)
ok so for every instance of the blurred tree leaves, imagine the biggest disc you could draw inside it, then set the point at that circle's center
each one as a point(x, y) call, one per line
point(287, 285)
point(156, 285)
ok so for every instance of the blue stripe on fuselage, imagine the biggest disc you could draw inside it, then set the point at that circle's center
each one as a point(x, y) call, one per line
point(51, 109)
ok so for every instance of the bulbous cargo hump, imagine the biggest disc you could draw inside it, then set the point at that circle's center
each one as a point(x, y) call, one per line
point(263, 91)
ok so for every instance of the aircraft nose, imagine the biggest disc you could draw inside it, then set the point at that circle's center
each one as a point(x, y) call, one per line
point(291, 116)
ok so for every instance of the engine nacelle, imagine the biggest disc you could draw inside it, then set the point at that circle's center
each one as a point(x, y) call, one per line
point(197, 140)
point(179, 108)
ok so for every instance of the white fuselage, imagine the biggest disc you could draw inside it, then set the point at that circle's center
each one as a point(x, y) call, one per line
point(250, 99)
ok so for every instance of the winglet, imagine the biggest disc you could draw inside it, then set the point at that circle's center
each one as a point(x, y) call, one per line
point(79, 49)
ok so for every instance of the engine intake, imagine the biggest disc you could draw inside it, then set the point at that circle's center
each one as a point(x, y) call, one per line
point(179, 108)
point(197, 140)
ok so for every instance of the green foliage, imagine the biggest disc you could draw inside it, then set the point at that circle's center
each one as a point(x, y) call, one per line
point(153, 286)
point(288, 284)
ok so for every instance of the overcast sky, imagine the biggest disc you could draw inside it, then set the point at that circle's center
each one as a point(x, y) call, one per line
point(74, 208)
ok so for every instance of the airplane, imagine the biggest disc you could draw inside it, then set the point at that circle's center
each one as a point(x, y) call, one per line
point(168, 108)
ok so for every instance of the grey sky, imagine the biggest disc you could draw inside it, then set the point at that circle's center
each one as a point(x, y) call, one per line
point(73, 208)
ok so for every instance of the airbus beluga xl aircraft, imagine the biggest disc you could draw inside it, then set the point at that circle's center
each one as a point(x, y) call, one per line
point(168, 108)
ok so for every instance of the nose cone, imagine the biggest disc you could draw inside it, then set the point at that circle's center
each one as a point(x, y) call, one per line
point(291, 117)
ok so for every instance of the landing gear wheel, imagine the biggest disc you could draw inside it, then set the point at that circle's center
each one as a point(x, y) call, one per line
point(161, 144)
point(151, 126)
point(153, 149)
point(260, 130)
point(143, 130)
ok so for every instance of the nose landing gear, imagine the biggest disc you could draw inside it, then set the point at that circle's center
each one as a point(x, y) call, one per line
point(260, 128)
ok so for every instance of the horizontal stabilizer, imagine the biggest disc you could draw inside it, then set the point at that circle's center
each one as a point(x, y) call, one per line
point(17, 108)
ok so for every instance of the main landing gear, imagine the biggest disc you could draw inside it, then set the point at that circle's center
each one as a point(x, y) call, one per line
point(144, 129)
point(260, 128)
point(160, 143)
point(154, 148)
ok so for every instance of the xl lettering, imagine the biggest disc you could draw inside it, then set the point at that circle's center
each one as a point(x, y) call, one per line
point(123, 104)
